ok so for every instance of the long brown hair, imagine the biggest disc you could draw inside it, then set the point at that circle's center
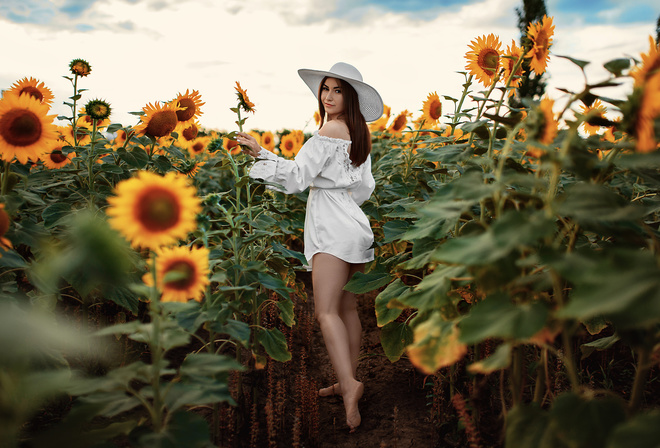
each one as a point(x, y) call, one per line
point(357, 126)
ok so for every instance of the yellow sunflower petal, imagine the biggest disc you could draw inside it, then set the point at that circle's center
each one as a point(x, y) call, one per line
point(540, 33)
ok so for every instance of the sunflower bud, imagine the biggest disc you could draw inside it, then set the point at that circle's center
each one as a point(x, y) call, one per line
point(80, 67)
point(98, 109)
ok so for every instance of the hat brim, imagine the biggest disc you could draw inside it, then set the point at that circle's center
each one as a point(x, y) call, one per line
point(371, 104)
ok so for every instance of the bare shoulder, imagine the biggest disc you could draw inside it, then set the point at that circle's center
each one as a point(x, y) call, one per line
point(335, 129)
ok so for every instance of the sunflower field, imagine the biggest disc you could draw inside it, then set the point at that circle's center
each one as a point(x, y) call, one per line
point(153, 294)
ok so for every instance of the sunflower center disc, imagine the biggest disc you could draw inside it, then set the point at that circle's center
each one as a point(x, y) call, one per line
point(490, 60)
point(187, 113)
point(57, 157)
point(162, 123)
point(158, 210)
point(186, 272)
point(20, 127)
point(33, 92)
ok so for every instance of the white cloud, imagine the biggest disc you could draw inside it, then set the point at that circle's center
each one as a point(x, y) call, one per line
point(146, 51)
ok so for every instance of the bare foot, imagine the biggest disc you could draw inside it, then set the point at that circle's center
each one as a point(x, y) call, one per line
point(330, 391)
point(351, 398)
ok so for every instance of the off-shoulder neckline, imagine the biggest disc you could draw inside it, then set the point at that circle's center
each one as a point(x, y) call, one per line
point(343, 140)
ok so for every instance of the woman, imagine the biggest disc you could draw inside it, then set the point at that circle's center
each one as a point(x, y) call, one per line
point(335, 162)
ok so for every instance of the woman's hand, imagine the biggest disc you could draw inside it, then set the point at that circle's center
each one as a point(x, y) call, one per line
point(249, 144)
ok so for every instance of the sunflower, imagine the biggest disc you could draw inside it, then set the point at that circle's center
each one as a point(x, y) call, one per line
point(540, 33)
point(190, 104)
point(33, 88)
point(4, 228)
point(484, 58)
point(243, 100)
point(513, 53)
point(542, 126)
point(198, 145)
point(25, 128)
point(153, 211)
point(317, 118)
point(55, 158)
point(399, 123)
point(597, 109)
point(188, 135)
point(231, 146)
point(300, 138)
point(646, 92)
point(80, 67)
point(432, 110)
point(158, 120)
point(189, 167)
point(268, 140)
point(182, 273)
point(288, 145)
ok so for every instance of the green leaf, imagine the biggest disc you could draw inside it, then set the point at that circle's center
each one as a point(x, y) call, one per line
point(394, 230)
point(497, 317)
point(162, 163)
point(526, 425)
point(583, 422)
point(288, 253)
point(361, 283)
point(588, 203)
point(513, 230)
point(617, 66)
point(599, 344)
point(623, 286)
point(385, 314)
point(641, 431)
point(112, 169)
point(196, 393)
point(275, 344)
point(497, 361)
point(275, 284)
point(395, 337)
point(136, 158)
point(287, 313)
point(235, 329)
point(431, 292)
point(578, 62)
point(185, 429)
point(55, 213)
point(207, 364)
point(123, 297)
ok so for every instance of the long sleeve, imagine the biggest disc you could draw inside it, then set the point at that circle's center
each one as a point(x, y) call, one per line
point(367, 186)
point(294, 176)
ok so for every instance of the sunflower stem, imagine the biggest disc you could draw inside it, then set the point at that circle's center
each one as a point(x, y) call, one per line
point(5, 179)
point(90, 163)
point(458, 108)
point(156, 350)
point(75, 100)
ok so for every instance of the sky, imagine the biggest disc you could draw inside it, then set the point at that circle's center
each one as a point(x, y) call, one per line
point(144, 51)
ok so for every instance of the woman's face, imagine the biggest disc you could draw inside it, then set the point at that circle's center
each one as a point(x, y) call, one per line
point(332, 98)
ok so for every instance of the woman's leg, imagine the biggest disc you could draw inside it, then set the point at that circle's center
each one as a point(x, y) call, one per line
point(349, 315)
point(329, 276)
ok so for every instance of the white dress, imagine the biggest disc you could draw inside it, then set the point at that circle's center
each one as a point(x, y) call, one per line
point(334, 222)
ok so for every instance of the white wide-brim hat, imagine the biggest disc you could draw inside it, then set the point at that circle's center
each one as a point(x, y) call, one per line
point(371, 104)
